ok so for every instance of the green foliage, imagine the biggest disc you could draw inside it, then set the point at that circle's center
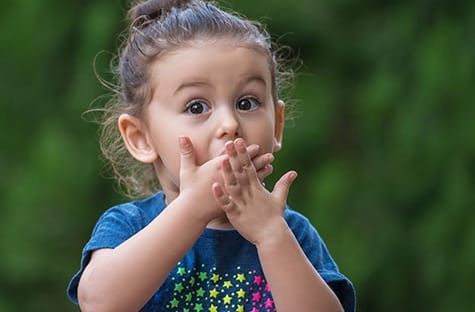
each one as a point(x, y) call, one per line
point(384, 144)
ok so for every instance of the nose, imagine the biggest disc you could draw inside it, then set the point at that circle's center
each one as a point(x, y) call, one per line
point(228, 125)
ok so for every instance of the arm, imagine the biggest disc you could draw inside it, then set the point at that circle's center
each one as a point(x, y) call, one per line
point(120, 279)
point(258, 216)
point(294, 282)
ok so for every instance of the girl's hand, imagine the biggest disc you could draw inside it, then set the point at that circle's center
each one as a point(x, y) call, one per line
point(262, 163)
point(196, 180)
point(252, 210)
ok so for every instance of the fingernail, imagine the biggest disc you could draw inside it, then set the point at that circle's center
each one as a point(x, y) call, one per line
point(230, 147)
point(240, 143)
point(182, 141)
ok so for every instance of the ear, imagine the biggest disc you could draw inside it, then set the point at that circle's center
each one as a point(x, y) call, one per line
point(279, 125)
point(135, 138)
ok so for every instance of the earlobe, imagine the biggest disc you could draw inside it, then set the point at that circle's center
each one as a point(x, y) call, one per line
point(136, 139)
point(279, 125)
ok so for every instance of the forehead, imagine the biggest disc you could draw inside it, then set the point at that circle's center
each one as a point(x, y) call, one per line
point(212, 60)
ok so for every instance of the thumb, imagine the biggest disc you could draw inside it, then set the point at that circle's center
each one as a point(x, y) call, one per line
point(187, 154)
point(281, 188)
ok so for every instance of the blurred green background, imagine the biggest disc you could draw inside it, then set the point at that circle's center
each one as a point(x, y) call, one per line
point(384, 142)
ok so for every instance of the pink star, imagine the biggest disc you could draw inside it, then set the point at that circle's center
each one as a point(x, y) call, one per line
point(269, 303)
point(254, 310)
point(267, 287)
point(257, 280)
point(256, 296)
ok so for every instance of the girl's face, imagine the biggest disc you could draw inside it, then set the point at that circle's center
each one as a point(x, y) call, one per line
point(211, 93)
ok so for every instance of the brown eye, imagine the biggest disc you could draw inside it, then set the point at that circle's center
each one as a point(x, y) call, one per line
point(247, 104)
point(197, 107)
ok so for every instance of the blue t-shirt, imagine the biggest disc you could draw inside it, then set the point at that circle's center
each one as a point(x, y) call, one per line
point(221, 272)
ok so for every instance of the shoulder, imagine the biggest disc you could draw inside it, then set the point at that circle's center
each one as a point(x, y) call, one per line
point(305, 233)
point(298, 222)
point(294, 216)
point(134, 214)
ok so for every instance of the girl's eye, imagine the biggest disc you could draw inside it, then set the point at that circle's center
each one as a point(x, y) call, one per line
point(197, 107)
point(247, 104)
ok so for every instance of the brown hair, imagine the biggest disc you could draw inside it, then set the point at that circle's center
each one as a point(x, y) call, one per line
point(157, 27)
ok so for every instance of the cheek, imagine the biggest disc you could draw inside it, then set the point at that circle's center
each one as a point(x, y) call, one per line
point(263, 135)
point(201, 148)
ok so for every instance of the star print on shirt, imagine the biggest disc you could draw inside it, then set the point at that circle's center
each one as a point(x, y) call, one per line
point(204, 289)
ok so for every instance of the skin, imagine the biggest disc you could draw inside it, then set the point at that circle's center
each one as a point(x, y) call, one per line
point(211, 108)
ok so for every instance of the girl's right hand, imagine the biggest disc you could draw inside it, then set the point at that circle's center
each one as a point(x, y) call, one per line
point(197, 180)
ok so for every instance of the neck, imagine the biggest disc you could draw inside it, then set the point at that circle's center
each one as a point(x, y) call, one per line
point(220, 223)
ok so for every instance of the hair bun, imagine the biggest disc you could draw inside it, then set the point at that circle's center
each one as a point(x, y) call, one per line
point(149, 10)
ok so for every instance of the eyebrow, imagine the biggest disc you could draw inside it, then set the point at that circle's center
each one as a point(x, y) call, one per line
point(200, 83)
point(252, 78)
point(191, 84)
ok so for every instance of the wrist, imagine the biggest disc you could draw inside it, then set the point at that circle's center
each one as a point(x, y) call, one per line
point(273, 235)
point(190, 208)
point(198, 207)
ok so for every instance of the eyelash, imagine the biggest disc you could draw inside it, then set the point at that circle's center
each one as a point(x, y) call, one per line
point(190, 105)
point(256, 101)
point(205, 107)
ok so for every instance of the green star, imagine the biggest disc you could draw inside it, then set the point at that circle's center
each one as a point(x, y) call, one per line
point(188, 296)
point(203, 276)
point(174, 303)
point(181, 271)
point(192, 281)
point(198, 307)
point(178, 287)
point(200, 292)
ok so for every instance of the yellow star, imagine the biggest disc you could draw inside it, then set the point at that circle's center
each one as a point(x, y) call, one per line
point(213, 293)
point(213, 308)
point(227, 284)
point(215, 278)
point(240, 277)
point(240, 308)
point(227, 299)
point(241, 293)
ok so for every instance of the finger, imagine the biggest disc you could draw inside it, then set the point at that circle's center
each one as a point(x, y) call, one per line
point(221, 197)
point(244, 158)
point(265, 172)
point(253, 150)
point(233, 157)
point(229, 178)
point(242, 153)
point(187, 155)
point(260, 162)
point(281, 188)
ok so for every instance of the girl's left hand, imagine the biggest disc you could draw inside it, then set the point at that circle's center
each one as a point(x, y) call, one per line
point(250, 207)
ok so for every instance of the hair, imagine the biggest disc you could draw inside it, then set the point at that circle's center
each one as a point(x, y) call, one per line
point(158, 27)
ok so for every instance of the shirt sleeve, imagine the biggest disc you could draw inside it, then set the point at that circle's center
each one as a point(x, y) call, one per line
point(114, 227)
point(317, 253)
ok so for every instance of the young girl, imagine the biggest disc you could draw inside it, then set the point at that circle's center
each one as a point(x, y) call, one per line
point(199, 111)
